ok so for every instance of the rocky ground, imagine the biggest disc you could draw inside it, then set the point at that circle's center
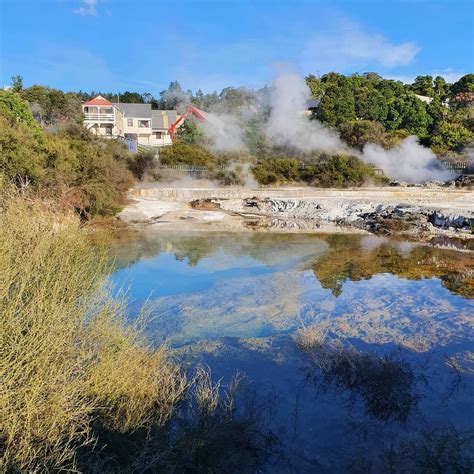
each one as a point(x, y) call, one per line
point(417, 212)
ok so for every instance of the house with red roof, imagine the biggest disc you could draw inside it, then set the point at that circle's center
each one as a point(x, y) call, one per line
point(102, 117)
point(132, 122)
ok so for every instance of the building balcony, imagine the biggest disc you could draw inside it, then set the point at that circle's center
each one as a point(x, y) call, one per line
point(96, 117)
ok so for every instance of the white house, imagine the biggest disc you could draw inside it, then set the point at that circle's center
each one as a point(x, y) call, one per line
point(130, 121)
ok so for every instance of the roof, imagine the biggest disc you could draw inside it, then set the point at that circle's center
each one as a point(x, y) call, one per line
point(211, 118)
point(205, 117)
point(135, 110)
point(99, 100)
point(163, 118)
point(464, 96)
point(424, 98)
point(312, 103)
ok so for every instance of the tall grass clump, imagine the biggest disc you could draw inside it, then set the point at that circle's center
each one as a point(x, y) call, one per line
point(80, 388)
point(69, 361)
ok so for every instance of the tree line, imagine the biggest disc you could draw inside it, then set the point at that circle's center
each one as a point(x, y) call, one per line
point(362, 107)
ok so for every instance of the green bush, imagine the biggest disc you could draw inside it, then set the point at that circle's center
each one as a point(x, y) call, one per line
point(141, 164)
point(325, 171)
point(359, 132)
point(450, 136)
point(52, 106)
point(183, 153)
point(84, 172)
point(342, 171)
point(22, 156)
point(14, 109)
point(276, 170)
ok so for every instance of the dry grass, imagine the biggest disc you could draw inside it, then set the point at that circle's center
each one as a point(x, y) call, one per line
point(81, 390)
point(68, 356)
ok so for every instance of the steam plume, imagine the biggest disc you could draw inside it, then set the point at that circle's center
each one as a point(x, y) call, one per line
point(409, 161)
point(288, 125)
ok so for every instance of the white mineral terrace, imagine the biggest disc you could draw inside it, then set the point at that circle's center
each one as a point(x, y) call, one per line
point(311, 207)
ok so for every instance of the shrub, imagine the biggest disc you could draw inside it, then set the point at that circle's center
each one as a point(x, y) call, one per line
point(84, 172)
point(14, 109)
point(68, 356)
point(82, 390)
point(142, 164)
point(53, 107)
point(326, 171)
point(342, 171)
point(450, 136)
point(273, 170)
point(229, 177)
point(22, 157)
point(359, 132)
point(183, 153)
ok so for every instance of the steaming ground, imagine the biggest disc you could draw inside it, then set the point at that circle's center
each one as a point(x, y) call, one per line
point(288, 125)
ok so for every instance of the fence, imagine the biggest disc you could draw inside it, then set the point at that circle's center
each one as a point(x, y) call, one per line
point(461, 167)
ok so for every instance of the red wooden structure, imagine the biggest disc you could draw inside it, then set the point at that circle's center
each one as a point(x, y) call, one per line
point(199, 114)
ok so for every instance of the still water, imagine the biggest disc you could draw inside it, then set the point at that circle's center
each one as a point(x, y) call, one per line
point(392, 380)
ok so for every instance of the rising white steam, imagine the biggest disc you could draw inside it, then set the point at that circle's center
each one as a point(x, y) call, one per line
point(288, 123)
point(225, 132)
point(409, 161)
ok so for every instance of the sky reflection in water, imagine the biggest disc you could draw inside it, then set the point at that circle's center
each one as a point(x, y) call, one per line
point(235, 301)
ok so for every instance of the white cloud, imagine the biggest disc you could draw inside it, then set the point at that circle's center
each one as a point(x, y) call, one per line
point(347, 45)
point(89, 9)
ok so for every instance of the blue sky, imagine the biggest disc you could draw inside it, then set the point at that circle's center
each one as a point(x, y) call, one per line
point(116, 45)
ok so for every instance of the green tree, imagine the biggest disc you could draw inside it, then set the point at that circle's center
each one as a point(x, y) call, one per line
point(17, 83)
point(128, 97)
point(357, 133)
point(370, 104)
point(437, 111)
point(189, 132)
point(464, 84)
point(174, 97)
point(52, 106)
point(390, 89)
point(337, 104)
point(372, 77)
point(232, 99)
point(423, 85)
point(315, 86)
point(410, 114)
point(450, 136)
point(441, 87)
point(14, 109)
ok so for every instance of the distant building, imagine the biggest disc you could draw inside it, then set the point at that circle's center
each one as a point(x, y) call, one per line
point(136, 122)
point(424, 98)
point(467, 97)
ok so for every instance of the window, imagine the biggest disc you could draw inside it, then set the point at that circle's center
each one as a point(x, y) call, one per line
point(129, 122)
point(144, 124)
point(158, 135)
